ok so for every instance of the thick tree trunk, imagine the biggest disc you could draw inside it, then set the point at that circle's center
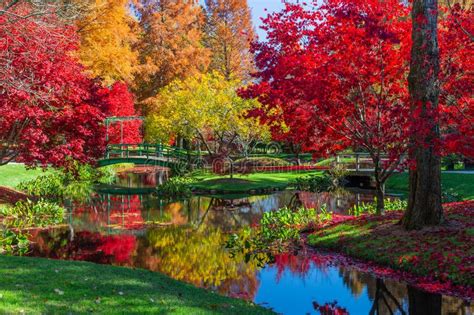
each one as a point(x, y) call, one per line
point(423, 303)
point(424, 203)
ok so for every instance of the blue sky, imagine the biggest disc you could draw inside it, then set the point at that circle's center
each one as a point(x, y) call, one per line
point(258, 10)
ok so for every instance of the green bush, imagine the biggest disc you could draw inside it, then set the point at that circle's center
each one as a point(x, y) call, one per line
point(176, 187)
point(277, 229)
point(451, 162)
point(314, 183)
point(25, 214)
point(75, 184)
point(284, 224)
point(450, 195)
point(13, 243)
point(371, 207)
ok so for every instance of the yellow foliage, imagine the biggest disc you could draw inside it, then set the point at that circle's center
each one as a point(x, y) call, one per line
point(197, 256)
point(106, 38)
point(203, 106)
point(229, 32)
point(465, 4)
point(169, 44)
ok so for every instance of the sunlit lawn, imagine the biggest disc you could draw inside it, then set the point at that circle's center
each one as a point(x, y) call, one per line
point(247, 182)
point(460, 183)
point(12, 174)
point(40, 286)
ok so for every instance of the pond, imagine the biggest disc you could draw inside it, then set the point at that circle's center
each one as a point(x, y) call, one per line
point(184, 239)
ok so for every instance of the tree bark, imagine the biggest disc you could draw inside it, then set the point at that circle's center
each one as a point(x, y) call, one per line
point(423, 303)
point(424, 203)
point(379, 183)
point(380, 194)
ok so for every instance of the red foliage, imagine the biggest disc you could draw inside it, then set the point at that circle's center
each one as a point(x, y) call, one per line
point(48, 111)
point(330, 309)
point(118, 101)
point(337, 74)
point(337, 77)
point(120, 247)
point(122, 212)
point(457, 81)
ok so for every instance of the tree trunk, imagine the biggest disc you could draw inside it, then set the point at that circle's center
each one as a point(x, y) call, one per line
point(380, 194)
point(423, 303)
point(424, 203)
point(379, 184)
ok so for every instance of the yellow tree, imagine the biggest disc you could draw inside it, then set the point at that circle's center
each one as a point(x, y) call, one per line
point(206, 108)
point(106, 40)
point(465, 4)
point(169, 45)
point(229, 32)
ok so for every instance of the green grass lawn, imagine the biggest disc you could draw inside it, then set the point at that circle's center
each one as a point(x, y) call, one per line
point(444, 252)
point(460, 183)
point(245, 183)
point(41, 286)
point(12, 174)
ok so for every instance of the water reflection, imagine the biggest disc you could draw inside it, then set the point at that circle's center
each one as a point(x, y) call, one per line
point(183, 239)
point(142, 176)
point(308, 285)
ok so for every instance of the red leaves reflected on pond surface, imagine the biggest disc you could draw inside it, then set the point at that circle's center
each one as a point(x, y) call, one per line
point(120, 247)
point(84, 246)
point(330, 309)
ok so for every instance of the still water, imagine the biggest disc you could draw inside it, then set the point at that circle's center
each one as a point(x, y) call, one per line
point(184, 239)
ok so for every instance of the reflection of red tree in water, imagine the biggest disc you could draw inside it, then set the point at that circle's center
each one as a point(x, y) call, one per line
point(298, 264)
point(120, 247)
point(123, 211)
point(85, 246)
point(150, 179)
point(330, 309)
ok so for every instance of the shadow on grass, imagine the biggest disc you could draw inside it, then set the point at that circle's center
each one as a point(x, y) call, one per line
point(36, 285)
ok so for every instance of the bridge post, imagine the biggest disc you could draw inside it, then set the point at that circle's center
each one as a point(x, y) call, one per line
point(357, 162)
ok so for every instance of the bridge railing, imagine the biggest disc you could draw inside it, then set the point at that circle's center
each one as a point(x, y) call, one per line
point(130, 150)
point(358, 162)
point(144, 150)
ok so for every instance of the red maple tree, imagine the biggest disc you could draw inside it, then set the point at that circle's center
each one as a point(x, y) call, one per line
point(49, 113)
point(336, 74)
point(457, 80)
point(119, 102)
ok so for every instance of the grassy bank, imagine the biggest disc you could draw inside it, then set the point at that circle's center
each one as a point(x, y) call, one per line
point(460, 183)
point(13, 174)
point(38, 286)
point(444, 252)
point(248, 182)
